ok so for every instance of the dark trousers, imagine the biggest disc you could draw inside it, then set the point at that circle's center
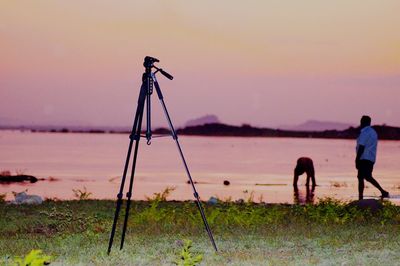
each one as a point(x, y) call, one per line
point(365, 168)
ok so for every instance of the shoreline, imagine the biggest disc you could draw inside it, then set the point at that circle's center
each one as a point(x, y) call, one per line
point(224, 130)
point(210, 202)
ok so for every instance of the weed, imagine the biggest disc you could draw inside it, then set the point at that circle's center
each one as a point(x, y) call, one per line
point(3, 197)
point(261, 198)
point(153, 213)
point(187, 257)
point(34, 258)
point(250, 199)
point(81, 194)
point(162, 196)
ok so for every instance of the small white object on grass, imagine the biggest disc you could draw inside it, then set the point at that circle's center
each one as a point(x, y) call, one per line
point(212, 201)
point(23, 198)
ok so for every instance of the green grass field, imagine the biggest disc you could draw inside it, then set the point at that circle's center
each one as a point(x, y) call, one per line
point(77, 232)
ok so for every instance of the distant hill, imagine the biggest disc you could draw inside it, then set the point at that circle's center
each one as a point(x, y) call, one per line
point(315, 125)
point(207, 119)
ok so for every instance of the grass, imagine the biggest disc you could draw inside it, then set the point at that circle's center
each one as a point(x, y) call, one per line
point(77, 232)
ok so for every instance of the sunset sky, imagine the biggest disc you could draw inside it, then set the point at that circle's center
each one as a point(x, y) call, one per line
point(267, 63)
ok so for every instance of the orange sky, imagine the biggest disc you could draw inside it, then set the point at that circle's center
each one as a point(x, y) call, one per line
point(260, 62)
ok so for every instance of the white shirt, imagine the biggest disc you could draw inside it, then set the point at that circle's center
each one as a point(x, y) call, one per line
point(369, 139)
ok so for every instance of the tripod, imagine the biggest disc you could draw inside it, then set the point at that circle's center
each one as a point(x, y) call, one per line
point(148, 80)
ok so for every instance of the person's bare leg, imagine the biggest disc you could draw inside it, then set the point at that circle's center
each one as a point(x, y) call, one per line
point(312, 173)
point(376, 184)
point(295, 178)
point(310, 194)
point(296, 195)
point(360, 188)
point(313, 177)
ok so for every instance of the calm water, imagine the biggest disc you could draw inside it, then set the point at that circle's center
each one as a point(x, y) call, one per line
point(259, 166)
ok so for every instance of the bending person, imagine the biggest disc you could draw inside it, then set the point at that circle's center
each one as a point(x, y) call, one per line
point(304, 165)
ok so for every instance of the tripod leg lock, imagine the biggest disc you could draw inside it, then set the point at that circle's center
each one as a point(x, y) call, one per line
point(196, 195)
point(128, 195)
point(119, 196)
point(134, 137)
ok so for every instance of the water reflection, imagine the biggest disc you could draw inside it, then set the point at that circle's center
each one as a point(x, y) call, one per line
point(298, 196)
point(262, 165)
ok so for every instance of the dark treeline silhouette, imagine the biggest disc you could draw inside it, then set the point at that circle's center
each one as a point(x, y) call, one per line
point(384, 132)
point(224, 130)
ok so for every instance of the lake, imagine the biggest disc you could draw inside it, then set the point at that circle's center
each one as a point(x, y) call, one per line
point(261, 168)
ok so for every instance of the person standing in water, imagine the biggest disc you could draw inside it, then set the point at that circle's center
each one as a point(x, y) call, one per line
point(367, 143)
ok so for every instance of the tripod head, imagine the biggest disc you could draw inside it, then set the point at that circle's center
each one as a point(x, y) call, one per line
point(149, 79)
point(149, 64)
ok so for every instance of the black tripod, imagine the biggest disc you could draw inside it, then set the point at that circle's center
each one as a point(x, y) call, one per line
point(149, 79)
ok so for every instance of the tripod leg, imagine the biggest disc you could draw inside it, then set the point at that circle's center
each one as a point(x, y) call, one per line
point(129, 194)
point(175, 137)
point(196, 195)
point(121, 190)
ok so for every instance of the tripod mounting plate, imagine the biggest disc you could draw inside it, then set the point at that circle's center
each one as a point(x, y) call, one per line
point(149, 61)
